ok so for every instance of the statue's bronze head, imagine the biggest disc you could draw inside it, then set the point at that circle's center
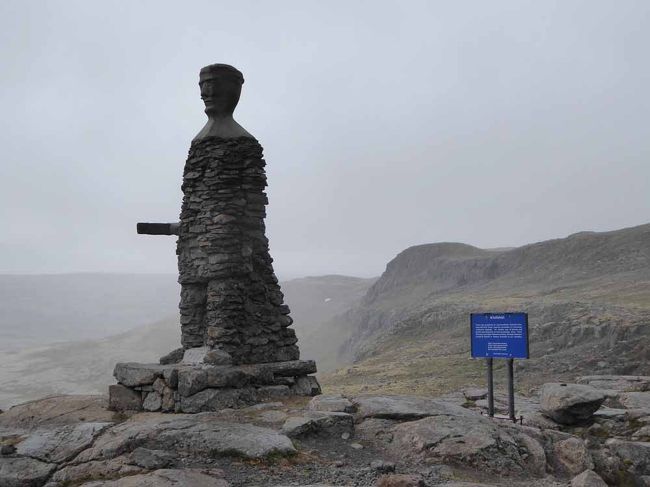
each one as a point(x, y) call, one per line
point(220, 89)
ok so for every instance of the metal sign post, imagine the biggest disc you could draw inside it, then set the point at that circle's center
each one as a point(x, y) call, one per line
point(490, 382)
point(511, 390)
point(500, 335)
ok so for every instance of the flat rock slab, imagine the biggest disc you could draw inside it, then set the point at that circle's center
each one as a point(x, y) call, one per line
point(100, 469)
point(621, 383)
point(24, 472)
point(404, 408)
point(193, 378)
point(60, 444)
point(133, 374)
point(55, 411)
point(331, 403)
point(202, 434)
point(635, 400)
point(475, 393)
point(318, 422)
point(164, 478)
point(570, 403)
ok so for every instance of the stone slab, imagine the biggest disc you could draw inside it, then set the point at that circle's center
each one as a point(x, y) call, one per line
point(164, 478)
point(201, 435)
point(60, 444)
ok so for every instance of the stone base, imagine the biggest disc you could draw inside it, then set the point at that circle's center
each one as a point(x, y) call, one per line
point(193, 388)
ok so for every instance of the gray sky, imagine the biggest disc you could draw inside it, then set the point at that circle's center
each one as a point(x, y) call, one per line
point(385, 124)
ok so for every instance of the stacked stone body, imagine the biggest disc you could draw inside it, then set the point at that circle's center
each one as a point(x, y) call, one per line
point(230, 296)
point(237, 344)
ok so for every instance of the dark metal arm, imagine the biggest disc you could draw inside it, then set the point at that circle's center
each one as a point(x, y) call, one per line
point(159, 228)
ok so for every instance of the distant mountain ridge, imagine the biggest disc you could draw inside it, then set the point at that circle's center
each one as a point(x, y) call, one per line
point(581, 256)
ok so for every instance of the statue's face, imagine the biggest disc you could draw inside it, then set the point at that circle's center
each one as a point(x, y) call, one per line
point(220, 94)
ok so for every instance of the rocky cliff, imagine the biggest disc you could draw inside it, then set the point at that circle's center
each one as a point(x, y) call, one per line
point(588, 297)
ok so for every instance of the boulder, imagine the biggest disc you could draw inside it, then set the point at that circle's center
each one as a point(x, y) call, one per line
point(570, 457)
point(152, 401)
point(121, 398)
point(588, 478)
point(203, 435)
point(642, 434)
point(133, 374)
point(24, 472)
point(635, 400)
point(173, 357)
point(218, 357)
point(216, 399)
point(403, 408)
point(164, 478)
point(306, 385)
point(471, 441)
point(331, 403)
point(570, 403)
point(318, 423)
point(475, 393)
point(60, 444)
point(634, 456)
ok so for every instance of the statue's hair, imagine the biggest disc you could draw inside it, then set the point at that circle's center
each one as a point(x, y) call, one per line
point(220, 69)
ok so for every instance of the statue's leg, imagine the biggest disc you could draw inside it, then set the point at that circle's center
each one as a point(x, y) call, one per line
point(225, 303)
point(192, 308)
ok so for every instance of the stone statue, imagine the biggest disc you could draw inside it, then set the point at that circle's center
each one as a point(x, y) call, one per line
point(237, 344)
point(230, 297)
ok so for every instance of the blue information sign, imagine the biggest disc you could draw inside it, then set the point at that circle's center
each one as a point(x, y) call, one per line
point(499, 335)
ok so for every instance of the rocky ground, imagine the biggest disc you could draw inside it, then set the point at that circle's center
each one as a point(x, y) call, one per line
point(592, 433)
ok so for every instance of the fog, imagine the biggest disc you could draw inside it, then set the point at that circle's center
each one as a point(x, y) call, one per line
point(385, 124)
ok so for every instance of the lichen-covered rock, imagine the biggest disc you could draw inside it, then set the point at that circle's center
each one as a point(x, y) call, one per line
point(570, 403)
